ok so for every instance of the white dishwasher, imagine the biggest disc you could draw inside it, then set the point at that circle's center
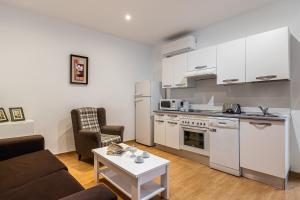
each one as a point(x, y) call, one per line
point(224, 145)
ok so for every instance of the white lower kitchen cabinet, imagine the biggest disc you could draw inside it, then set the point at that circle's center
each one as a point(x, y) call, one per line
point(264, 146)
point(172, 134)
point(159, 131)
point(167, 130)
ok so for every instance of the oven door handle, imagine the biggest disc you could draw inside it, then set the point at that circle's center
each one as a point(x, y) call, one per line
point(194, 129)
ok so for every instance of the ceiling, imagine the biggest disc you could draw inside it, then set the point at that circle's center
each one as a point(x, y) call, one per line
point(152, 20)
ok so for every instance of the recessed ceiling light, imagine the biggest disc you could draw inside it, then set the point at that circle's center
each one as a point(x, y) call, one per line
point(128, 17)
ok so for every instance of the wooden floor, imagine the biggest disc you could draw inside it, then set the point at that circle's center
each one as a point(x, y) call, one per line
point(192, 181)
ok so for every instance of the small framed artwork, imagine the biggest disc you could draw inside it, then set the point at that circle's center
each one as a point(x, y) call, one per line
point(79, 69)
point(17, 114)
point(3, 116)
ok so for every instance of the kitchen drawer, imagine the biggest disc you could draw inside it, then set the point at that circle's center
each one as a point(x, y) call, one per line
point(159, 116)
point(172, 117)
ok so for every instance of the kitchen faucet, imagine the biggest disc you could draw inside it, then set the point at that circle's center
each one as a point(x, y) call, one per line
point(264, 110)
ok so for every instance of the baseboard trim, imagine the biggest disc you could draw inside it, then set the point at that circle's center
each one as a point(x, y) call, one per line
point(130, 141)
point(68, 152)
point(277, 182)
point(294, 174)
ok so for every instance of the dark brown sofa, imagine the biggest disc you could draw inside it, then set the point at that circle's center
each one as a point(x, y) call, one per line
point(89, 128)
point(28, 172)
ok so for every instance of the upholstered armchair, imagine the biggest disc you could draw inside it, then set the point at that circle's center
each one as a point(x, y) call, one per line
point(90, 130)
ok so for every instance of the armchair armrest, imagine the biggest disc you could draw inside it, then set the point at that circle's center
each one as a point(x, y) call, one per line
point(99, 192)
point(113, 130)
point(12, 147)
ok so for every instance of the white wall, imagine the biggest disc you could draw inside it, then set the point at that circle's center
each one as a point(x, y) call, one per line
point(273, 94)
point(34, 57)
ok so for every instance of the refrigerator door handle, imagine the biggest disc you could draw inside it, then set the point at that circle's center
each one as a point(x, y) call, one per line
point(138, 100)
point(138, 95)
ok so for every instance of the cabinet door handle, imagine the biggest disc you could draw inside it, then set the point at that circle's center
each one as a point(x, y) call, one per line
point(160, 115)
point(266, 77)
point(201, 67)
point(172, 115)
point(230, 80)
point(180, 84)
point(167, 85)
point(159, 121)
point(261, 123)
point(172, 123)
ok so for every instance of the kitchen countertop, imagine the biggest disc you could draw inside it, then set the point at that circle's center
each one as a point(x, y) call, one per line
point(213, 113)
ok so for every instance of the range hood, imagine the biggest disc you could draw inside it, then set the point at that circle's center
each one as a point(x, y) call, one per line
point(205, 73)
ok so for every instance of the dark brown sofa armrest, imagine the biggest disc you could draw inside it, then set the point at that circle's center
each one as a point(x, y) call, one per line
point(12, 147)
point(99, 192)
point(113, 130)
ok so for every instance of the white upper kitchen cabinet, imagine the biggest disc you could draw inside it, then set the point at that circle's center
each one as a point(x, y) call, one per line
point(267, 56)
point(202, 58)
point(231, 62)
point(180, 68)
point(167, 73)
point(173, 71)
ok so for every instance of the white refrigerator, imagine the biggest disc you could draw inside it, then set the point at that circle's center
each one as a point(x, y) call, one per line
point(147, 96)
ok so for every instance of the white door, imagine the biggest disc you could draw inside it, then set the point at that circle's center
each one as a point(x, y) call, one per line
point(159, 131)
point(143, 88)
point(224, 147)
point(263, 146)
point(167, 73)
point(143, 122)
point(172, 134)
point(179, 63)
point(231, 62)
point(202, 58)
point(267, 56)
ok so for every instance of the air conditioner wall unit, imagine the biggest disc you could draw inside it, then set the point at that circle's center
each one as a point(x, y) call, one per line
point(179, 46)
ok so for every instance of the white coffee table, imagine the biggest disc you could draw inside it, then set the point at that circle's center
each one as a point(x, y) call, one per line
point(133, 179)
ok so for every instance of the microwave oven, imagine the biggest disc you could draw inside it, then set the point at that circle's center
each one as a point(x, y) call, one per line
point(170, 104)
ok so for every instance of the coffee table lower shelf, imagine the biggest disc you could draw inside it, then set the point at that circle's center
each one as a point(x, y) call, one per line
point(148, 190)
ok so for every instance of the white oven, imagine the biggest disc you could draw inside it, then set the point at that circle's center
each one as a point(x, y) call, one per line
point(195, 135)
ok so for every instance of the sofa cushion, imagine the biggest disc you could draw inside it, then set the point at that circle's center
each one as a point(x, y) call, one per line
point(97, 192)
point(22, 169)
point(51, 187)
point(88, 119)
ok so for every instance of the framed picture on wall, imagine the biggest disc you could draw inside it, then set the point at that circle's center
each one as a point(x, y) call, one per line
point(16, 114)
point(79, 69)
point(3, 116)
